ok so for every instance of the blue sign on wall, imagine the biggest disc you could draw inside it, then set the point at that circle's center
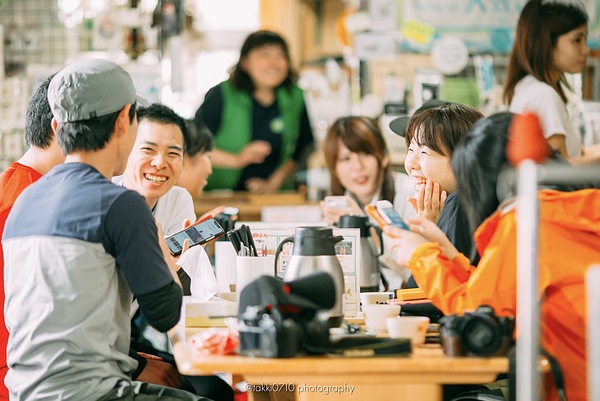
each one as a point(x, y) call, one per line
point(484, 25)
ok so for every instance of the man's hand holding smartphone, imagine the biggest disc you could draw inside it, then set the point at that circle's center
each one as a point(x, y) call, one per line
point(198, 233)
point(186, 244)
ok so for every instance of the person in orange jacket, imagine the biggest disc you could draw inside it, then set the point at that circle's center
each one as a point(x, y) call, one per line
point(569, 238)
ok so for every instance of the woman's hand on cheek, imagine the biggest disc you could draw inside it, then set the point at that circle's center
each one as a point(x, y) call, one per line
point(404, 242)
point(429, 201)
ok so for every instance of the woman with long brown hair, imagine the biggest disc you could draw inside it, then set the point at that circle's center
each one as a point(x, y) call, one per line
point(359, 165)
point(550, 41)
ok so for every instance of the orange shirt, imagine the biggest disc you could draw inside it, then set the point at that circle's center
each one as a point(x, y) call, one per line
point(13, 181)
point(569, 243)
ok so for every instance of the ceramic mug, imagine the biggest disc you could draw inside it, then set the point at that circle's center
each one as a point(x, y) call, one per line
point(413, 327)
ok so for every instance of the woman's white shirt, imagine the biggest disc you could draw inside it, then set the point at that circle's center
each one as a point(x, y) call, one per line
point(532, 95)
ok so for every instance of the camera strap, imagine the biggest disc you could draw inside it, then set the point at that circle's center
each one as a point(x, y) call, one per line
point(557, 375)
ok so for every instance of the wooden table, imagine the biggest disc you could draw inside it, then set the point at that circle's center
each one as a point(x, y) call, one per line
point(414, 377)
point(249, 205)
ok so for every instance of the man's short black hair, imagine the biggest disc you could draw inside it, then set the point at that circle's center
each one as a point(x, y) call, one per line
point(89, 135)
point(159, 113)
point(38, 117)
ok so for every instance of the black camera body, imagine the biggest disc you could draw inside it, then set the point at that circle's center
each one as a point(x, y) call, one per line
point(280, 320)
point(265, 335)
point(477, 333)
point(266, 332)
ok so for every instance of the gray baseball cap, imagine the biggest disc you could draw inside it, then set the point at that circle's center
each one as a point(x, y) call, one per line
point(90, 88)
point(398, 125)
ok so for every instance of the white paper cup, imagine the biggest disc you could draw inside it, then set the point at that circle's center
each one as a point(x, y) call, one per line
point(225, 265)
point(376, 315)
point(413, 327)
point(249, 268)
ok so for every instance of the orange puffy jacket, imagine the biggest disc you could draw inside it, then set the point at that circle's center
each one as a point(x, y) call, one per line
point(569, 243)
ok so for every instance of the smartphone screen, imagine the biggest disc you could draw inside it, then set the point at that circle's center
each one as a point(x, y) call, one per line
point(197, 234)
point(390, 215)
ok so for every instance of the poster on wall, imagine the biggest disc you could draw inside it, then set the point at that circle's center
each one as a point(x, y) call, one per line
point(484, 25)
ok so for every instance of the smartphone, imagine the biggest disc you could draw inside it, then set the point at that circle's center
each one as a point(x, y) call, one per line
point(337, 202)
point(198, 234)
point(389, 214)
point(372, 211)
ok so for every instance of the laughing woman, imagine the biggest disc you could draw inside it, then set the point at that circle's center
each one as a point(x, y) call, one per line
point(431, 137)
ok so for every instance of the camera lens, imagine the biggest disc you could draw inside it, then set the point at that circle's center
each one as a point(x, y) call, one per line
point(481, 335)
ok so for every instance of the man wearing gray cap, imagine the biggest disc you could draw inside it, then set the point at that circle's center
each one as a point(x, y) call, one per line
point(77, 248)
